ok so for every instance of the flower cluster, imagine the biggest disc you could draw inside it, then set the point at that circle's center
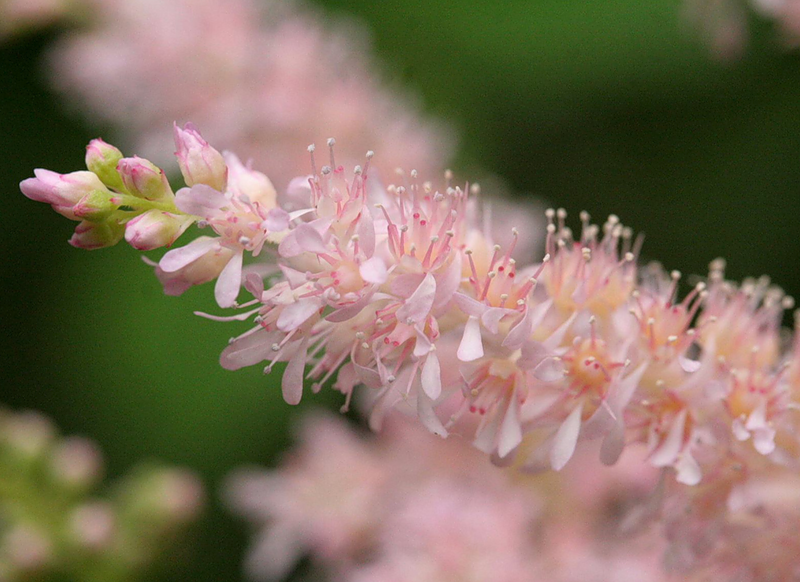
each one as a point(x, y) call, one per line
point(243, 71)
point(402, 289)
point(55, 525)
point(404, 506)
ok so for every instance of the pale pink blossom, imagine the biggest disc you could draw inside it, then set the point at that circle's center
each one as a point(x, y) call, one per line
point(264, 79)
point(455, 531)
point(403, 506)
point(385, 271)
point(238, 205)
point(327, 500)
point(202, 261)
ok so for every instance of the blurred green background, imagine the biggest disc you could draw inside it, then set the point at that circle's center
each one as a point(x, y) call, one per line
point(611, 106)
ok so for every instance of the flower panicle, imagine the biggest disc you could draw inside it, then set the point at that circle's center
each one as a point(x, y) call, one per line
point(401, 289)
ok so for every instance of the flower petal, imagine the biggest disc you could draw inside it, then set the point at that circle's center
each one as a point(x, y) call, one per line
point(369, 377)
point(292, 381)
point(200, 200)
point(418, 306)
point(428, 416)
point(373, 271)
point(431, 376)
point(492, 316)
point(511, 430)
point(296, 314)
point(447, 283)
point(229, 282)
point(276, 221)
point(309, 239)
point(471, 346)
point(178, 258)
point(350, 310)
point(468, 305)
point(366, 233)
point(566, 439)
point(764, 440)
point(666, 454)
point(613, 444)
point(688, 470)
point(295, 278)
point(549, 370)
point(248, 350)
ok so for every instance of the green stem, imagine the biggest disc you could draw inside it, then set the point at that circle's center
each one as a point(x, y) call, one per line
point(142, 204)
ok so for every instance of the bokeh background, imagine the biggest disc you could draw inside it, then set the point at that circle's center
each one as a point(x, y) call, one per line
point(613, 107)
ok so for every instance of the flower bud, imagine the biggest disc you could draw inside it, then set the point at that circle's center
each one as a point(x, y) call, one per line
point(96, 206)
point(90, 235)
point(155, 229)
point(144, 179)
point(61, 191)
point(102, 160)
point(28, 434)
point(26, 550)
point(180, 494)
point(199, 162)
point(160, 500)
point(77, 463)
point(93, 525)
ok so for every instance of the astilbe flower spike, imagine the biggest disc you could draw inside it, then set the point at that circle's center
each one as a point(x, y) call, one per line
point(402, 289)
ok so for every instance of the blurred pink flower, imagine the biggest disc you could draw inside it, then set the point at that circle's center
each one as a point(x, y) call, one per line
point(404, 506)
point(265, 79)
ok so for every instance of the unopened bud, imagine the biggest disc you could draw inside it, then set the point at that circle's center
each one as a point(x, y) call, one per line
point(144, 179)
point(162, 498)
point(90, 236)
point(26, 550)
point(92, 525)
point(155, 229)
point(61, 191)
point(102, 159)
point(28, 434)
point(199, 162)
point(182, 494)
point(77, 463)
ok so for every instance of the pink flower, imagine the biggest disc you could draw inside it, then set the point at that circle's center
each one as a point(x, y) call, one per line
point(200, 261)
point(385, 275)
point(260, 78)
point(327, 499)
point(453, 531)
point(242, 212)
